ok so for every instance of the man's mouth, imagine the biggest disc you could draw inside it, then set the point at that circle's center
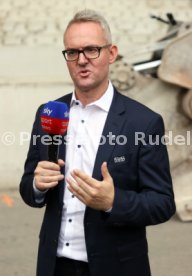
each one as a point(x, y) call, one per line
point(84, 73)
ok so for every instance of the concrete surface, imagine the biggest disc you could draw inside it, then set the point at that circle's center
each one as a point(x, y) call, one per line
point(170, 247)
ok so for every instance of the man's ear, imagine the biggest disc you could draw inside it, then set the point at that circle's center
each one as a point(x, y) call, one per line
point(113, 53)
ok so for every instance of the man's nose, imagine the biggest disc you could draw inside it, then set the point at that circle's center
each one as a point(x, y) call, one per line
point(82, 58)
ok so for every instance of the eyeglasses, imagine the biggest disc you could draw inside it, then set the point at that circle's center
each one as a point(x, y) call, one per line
point(90, 52)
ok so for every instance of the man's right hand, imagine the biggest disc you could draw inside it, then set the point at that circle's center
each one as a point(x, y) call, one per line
point(47, 174)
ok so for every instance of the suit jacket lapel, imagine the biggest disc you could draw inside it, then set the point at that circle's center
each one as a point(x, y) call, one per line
point(113, 126)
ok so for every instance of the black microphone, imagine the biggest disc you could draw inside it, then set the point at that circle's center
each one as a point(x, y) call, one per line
point(54, 121)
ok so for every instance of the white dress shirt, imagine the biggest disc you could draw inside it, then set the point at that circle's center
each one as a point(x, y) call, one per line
point(84, 133)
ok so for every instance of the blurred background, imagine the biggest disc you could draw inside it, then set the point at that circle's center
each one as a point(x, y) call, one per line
point(154, 66)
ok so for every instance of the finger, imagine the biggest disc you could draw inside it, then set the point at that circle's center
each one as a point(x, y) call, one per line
point(83, 185)
point(77, 195)
point(49, 179)
point(75, 187)
point(85, 178)
point(43, 172)
point(49, 165)
point(104, 171)
point(45, 186)
point(46, 172)
point(73, 184)
point(61, 163)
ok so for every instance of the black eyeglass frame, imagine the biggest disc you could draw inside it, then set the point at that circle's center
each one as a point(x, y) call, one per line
point(99, 48)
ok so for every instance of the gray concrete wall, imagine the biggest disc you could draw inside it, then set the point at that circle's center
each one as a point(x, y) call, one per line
point(32, 69)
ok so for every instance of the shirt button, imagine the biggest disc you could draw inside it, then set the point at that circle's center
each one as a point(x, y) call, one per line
point(82, 121)
point(70, 220)
point(67, 244)
point(76, 103)
point(72, 196)
point(79, 146)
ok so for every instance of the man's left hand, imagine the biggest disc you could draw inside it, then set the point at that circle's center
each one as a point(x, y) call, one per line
point(95, 194)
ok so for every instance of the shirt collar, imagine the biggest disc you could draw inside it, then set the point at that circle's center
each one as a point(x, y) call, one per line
point(104, 102)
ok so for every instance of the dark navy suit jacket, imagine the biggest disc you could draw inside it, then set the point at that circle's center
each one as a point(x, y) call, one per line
point(116, 242)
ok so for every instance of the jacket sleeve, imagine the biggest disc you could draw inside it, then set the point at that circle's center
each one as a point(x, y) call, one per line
point(33, 157)
point(153, 201)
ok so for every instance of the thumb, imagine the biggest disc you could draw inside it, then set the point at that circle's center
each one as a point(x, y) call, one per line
point(61, 163)
point(104, 171)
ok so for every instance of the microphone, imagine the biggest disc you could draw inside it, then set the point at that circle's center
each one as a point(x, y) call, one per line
point(54, 121)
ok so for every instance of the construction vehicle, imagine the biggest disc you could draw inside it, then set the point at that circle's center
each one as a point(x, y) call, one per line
point(160, 76)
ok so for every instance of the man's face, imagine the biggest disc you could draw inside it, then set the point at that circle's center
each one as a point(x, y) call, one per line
point(89, 74)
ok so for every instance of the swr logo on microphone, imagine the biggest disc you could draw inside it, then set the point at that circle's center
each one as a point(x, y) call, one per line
point(47, 111)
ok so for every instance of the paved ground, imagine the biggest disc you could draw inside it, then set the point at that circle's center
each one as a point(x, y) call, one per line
point(169, 244)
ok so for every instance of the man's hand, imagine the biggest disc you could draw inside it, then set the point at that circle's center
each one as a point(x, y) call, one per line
point(95, 194)
point(47, 174)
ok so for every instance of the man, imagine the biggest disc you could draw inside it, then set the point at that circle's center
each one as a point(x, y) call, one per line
point(109, 184)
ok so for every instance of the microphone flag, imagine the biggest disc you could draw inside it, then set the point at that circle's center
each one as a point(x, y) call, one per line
point(55, 118)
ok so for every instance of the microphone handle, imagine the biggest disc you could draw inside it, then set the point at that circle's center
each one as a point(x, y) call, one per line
point(53, 151)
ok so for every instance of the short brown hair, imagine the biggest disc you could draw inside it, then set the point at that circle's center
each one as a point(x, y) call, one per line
point(92, 16)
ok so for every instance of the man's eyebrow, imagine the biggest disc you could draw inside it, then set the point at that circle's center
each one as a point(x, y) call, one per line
point(71, 49)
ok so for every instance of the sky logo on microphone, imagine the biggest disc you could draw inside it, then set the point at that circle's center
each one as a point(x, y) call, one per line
point(55, 118)
point(47, 111)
